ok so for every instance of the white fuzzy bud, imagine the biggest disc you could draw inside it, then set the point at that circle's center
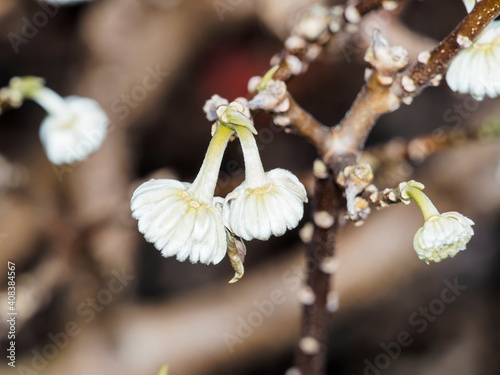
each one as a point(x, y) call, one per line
point(443, 236)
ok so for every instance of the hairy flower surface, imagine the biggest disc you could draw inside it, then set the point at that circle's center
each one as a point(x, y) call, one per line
point(182, 219)
point(443, 235)
point(177, 223)
point(264, 204)
point(476, 69)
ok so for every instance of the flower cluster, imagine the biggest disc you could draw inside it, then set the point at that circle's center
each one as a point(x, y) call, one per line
point(187, 221)
point(74, 127)
point(476, 70)
point(443, 235)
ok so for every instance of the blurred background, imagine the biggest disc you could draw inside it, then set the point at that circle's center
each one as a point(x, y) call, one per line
point(93, 297)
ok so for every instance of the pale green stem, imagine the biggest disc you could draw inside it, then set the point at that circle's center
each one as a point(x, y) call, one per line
point(426, 206)
point(255, 176)
point(51, 101)
point(203, 186)
point(33, 88)
point(269, 74)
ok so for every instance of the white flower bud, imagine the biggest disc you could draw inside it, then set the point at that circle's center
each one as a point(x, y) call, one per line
point(313, 22)
point(211, 106)
point(443, 236)
point(236, 113)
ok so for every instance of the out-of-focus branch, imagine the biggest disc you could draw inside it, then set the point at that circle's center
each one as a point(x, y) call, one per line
point(37, 290)
point(314, 29)
point(9, 99)
point(12, 175)
point(366, 6)
point(418, 149)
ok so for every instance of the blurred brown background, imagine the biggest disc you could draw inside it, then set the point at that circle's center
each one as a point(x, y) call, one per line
point(93, 297)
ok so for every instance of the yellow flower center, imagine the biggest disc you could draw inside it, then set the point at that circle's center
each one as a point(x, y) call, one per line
point(260, 191)
point(192, 202)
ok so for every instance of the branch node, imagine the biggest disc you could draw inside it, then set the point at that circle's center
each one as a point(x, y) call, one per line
point(323, 219)
point(385, 59)
point(309, 345)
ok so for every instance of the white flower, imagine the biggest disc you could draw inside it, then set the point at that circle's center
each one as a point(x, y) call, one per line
point(182, 219)
point(443, 236)
point(74, 128)
point(264, 204)
point(178, 223)
point(271, 209)
point(476, 69)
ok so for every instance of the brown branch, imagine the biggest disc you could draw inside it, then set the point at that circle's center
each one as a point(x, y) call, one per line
point(306, 125)
point(418, 149)
point(381, 199)
point(9, 99)
point(354, 129)
point(366, 6)
point(422, 74)
point(382, 93)
point(311, 352)
point(306, 48)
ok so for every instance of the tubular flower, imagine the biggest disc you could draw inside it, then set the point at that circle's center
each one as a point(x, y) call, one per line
point(182, 219)
point(74, 127)
point(264, 204)
point(476, 69)
point(443, 235)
